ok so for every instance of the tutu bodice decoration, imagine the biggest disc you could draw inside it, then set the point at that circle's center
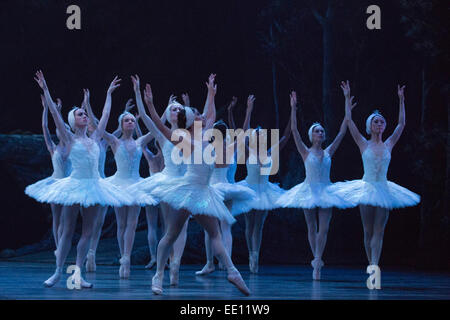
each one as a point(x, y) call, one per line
point(374, 189)
point(84, 185)
point(102, 158)
point(267, 193)
point(314, 191)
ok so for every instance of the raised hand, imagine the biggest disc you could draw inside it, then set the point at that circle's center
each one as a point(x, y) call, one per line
point(172, 99)
point(293, 99)
point(250, 101)
point(129, 105)
point(401, 92)
point(186, 100)
point(232, 103)
point(58, 104)
point(136, 82)
point(86, 97)
point(148, 94)
point(40, 80)
point(114, 84)
point(212, 87)
point(351, 104)
point(345, 86)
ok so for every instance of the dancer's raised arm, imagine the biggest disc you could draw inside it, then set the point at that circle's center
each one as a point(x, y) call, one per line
point(349, 105)
point(186, 100)
point(100, 130)
point(392, 140)
point(86, 105)
point(47, 137)
point(230, 108)
point(301, 147)
point(66, 137)
point(248, 112)
point(209, 111)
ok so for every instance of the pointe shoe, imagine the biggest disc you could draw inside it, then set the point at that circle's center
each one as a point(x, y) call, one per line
point(157, 285)
point(125, 266)
point(150, 265)
point(85, 284)
point(54, 279)
point(174, 273)
point(235, 278)
point(207, 269)
point(90, 261)
point(317, 264)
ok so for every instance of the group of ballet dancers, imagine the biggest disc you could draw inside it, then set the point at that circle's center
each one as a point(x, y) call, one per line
point(206, 192)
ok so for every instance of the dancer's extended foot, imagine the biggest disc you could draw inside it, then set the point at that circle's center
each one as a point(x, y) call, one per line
point(50, 282)
point(235, 278)
point(207, 269)
point(174, 273)
point(157, 282)
point(125, 266)
point(85, 284)
point(151, 264)
point(317, 264)
point(90, 261)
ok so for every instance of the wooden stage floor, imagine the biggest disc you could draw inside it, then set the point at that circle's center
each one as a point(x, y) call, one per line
point(23, 280)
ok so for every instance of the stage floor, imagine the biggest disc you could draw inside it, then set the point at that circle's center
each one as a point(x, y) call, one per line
point(23, 280)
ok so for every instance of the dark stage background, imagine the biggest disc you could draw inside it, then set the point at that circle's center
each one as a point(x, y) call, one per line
point(265, 48)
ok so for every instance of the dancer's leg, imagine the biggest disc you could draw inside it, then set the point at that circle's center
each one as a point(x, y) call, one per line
point(121, 221)
point(209, 266)
point(69, 218)
point(311, 223)
point(96, 234)
point(56, 215)
point(175, 221)
point(211, 226)
point(151, 213)
point(376, 244)
point(260, 218)
point(367, 219)
point(324, 217)
point(178, 250)
point(132, 216)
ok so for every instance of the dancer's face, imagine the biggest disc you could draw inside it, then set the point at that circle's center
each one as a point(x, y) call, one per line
point(128, 123)
point(378, 125)
point(173, 113)
point(81, 118)
point(318, 134)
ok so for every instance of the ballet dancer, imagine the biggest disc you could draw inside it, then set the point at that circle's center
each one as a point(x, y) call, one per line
point(374, 194)
point(61, 168)
point(267, 193)
point(314, 195)
point(84, 187)
point(191, 194)
point(142, 189)
point(237, 199)
point(127, 154)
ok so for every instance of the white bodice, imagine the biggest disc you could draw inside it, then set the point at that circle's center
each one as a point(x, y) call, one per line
point(219, 175)
point(199, 173)
point(127, 163)
point(61, 166)
point(171, 168)
point(375, 168)
point(318, 170)
point(254, 175)
point(84, 160)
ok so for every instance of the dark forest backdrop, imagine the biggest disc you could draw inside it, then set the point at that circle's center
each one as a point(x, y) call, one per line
point(265, 48)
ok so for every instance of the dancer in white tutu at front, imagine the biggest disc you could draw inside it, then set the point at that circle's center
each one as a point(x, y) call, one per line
point(314, 194)
point(267, 193)
point(238, 199)
point(84, 187)
point(61, 168)
point(374, 194)
point(192, 194)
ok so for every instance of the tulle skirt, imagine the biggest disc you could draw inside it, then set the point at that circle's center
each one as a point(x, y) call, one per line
point(241, 197)
point(308, 195)
point(267, 195)
point(385, 194)
point(197, 198)
point(84, 192)
point(142, 190)
point(125, 183)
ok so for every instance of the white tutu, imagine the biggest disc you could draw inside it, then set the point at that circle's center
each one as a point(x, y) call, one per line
point(313, 195)
point(240, 197)
point(385, 194)
point(374, 189)
point(267, 194)
point(142, 190)
point(84, 185)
